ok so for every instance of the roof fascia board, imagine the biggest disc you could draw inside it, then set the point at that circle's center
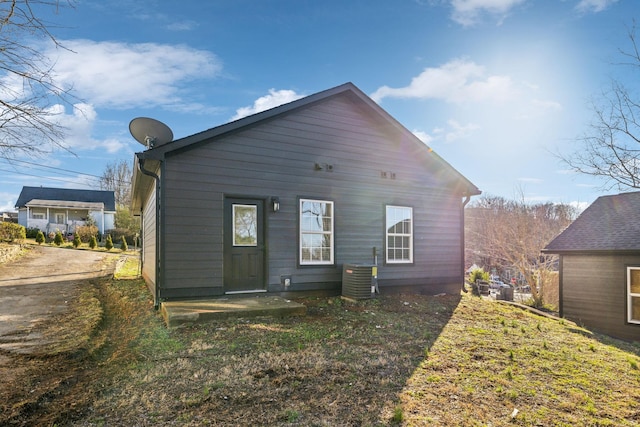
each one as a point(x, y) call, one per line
point(158, 153)
point(599, 252)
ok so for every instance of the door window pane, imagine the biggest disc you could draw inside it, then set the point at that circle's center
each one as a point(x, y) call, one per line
point(245, 225)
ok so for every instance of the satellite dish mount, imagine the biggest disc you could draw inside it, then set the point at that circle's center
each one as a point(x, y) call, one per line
point(150, 132)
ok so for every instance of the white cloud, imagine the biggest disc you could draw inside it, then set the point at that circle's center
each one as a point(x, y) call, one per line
point(585, 6)
point(469, 12)
point(457, 81)
point(457, 131)
point(7, 201)
point(539, 107)
point(182, 26)
point(275, 98)
point(452, 132)
point(531, 180)
point(122, 75)
point(423, 136)
point(579, 206)
point(79, 126)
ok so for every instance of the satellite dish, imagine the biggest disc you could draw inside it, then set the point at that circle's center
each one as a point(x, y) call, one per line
point(150, 132)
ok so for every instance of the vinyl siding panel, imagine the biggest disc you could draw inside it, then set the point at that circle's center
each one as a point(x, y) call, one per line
point(149, 241)
point(594, 293)
point(277, 158)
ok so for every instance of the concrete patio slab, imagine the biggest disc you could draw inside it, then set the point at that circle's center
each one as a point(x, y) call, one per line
point(177, 313)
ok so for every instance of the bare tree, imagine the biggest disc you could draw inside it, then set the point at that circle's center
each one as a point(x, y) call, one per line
point(117, 178)
point(611, 148)
point(28, 91)
point(505, 235)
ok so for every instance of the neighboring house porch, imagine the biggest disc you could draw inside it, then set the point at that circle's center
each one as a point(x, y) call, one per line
point(50, 216)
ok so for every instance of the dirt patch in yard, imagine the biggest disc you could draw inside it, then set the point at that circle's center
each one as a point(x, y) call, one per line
point(50, 312)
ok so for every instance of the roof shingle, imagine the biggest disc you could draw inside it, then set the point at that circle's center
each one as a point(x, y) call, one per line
point(611, 223)
point(67, 194)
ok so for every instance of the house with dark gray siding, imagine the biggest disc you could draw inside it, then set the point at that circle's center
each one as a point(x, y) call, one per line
point(278, 202)
point(600, 266)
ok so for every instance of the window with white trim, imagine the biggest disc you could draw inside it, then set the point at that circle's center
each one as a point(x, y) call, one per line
point(316, 232)
point(633, 295)
point(37, 215)
point(399, 234)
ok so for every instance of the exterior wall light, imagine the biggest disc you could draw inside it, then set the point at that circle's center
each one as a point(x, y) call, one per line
point(275, 204)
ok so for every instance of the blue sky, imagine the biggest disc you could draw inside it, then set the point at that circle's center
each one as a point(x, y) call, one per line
point(496, 87)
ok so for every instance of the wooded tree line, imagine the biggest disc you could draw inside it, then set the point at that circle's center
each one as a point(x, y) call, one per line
point(507, 236)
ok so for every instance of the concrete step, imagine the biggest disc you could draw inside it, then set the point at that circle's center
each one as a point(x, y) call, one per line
point(177, 313)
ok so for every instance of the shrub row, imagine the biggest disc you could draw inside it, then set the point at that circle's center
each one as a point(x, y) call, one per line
point(10, 231)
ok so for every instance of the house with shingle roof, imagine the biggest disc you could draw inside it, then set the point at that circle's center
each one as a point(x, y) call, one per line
point(287, 201)
point(63, 209)
point(600, 266)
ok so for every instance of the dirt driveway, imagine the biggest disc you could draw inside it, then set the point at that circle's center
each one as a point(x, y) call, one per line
point(39, 286)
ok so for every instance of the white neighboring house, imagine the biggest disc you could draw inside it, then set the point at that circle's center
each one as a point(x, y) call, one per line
point(64, 209)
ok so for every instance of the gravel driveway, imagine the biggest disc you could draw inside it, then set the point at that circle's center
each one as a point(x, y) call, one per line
point(39, 285)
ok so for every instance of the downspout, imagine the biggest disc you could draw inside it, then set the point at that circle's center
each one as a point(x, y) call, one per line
point(156, 297)
point(464, 203)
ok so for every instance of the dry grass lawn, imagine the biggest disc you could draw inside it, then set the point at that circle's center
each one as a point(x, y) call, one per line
point(396, 360)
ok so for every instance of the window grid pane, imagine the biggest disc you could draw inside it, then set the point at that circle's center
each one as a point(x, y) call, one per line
point(634, 281)
point(399, 234)
point(635, 309)
point(633, 294)
point(316, 232)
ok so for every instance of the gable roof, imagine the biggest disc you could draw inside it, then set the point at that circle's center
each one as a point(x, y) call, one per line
point(90, 197)
point(610, 224)
point(346, 89)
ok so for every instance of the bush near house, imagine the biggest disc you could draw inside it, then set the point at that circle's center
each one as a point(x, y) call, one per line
point(93, 242)
point(40, 237)
point(58, 239)
point(478, 274)
point(10, 232)
point(32, 232)
point(123, 244)
point(108, 245)
point(85, 232)
point(127, 234)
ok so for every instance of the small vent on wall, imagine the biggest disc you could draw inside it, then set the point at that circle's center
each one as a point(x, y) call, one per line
point(323, 166)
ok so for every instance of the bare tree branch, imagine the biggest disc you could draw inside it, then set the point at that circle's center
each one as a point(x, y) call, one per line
point(117, 178)
point(28, 92)
point(504, 235)
point(610, 149)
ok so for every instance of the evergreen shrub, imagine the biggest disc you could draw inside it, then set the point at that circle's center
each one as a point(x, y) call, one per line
point(109, 243)
point(58, 239)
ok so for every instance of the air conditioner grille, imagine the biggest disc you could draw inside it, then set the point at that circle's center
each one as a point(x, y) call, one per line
point(357, 280)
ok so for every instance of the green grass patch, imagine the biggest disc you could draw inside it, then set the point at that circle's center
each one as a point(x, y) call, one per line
point(128, 268)
point(394, 360)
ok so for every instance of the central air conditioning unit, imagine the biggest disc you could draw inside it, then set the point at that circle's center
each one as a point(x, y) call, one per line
point(358, 280)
